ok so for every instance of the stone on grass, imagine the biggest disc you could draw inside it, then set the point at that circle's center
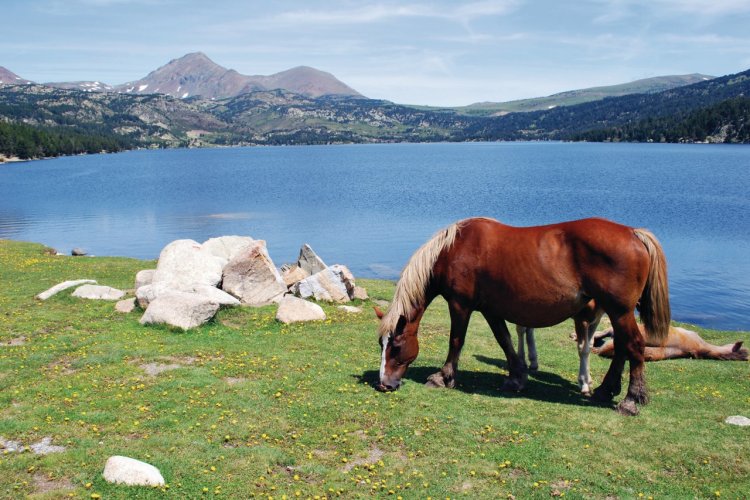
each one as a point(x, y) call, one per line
point(293, 274)
point(293, 310)
point(144, 277)
point(360, 293)
point(98, 292)
point(332, 284)
point(309, 260)
point(227, 247)
point(186, 262)
point(252, 277)
point(350, 309)
point(9, 446)
point(78, 252)
point(63, 286)
point(738, 420)
point(132, 472)
point(180, 309)
point(146, 294)
point(125, 306)
point(45, 447)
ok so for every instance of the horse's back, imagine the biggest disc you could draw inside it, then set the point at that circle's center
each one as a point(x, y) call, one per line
point(540, 275)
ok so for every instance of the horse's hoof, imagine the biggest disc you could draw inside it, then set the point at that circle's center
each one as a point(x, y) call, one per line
point(586, 392)
point(627, 407)
point(435, 380)
point(512, 385)
point(534, 368)
point(602, 395)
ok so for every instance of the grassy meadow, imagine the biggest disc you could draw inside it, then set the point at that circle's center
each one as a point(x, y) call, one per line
point(252, 408)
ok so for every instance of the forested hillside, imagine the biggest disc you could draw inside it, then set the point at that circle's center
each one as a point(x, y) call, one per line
point(726, 122)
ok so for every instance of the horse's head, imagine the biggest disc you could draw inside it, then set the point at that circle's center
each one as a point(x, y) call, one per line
point(398, 348)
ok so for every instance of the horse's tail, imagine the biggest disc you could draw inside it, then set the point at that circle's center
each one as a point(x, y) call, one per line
point(654, 304)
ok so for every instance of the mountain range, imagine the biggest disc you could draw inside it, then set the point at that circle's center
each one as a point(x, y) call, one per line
point(195, 75)
point(199, 103)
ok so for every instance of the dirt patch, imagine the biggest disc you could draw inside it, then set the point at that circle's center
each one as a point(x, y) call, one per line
point(15, 341)
point(154, 369)
point(373, 456)
point(46, 483)
point(234, 380)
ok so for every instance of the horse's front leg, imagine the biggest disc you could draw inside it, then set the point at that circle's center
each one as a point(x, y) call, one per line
point(518, 374)
point(446, 377)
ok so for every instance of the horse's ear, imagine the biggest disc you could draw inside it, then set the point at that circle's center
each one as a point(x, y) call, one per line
point(378, 312)
point(737, 346)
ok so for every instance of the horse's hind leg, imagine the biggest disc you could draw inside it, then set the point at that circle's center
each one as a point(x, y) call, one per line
point(518, 374)
point(446, 377)
point(629, 343)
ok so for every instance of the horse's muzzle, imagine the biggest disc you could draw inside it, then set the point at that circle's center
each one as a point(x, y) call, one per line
point(385, 388)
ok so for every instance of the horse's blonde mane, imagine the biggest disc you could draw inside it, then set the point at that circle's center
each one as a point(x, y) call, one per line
point(411, 286)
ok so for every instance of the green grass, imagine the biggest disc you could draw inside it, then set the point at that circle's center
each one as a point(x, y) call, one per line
point(265, 410)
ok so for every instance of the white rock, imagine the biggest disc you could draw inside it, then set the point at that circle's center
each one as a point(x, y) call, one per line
point(186, 262)
point(125, 306)
point(360, 293)
point(98, 292)
point(350, 309)
point(252, 277)
point(293, 310)
point(180, 309)
point(738, 420)
point(332, 284)
point(227, 247)
point(293, 275)
point(309, 260)
point(132, 472)
point(146, 294)
point(143, 278)
point(63, 286)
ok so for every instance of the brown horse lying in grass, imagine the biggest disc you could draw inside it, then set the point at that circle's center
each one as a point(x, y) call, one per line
point(680, 343)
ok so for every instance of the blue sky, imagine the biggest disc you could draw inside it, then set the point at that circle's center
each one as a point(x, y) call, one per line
point(417, 52)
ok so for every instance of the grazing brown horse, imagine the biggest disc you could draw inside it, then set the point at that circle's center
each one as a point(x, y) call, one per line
point(533, 276)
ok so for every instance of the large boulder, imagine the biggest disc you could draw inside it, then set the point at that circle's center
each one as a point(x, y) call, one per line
point(180, 309)
point(132, 472)
point(293, 310)
point(332, 284)
point(252, 277)
point(309, 260)
point(98, 292)
point(143, 278)
point(63, 286)
point(186, 262)
point(227, 247)
point(148, 293)
point(293, 274)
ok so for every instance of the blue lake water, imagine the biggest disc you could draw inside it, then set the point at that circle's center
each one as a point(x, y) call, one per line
point(371, 206)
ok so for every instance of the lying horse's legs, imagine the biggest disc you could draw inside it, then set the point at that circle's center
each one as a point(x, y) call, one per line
point(446, 377)
point(629, 343)
point(586, 323)
point(516, 365)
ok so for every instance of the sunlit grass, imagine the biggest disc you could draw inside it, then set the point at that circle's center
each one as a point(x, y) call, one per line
point(250, 407)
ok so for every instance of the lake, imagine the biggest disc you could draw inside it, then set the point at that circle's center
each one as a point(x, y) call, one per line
point(371, 206)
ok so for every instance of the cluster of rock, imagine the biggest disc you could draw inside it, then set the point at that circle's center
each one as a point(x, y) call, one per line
point(192, 281)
